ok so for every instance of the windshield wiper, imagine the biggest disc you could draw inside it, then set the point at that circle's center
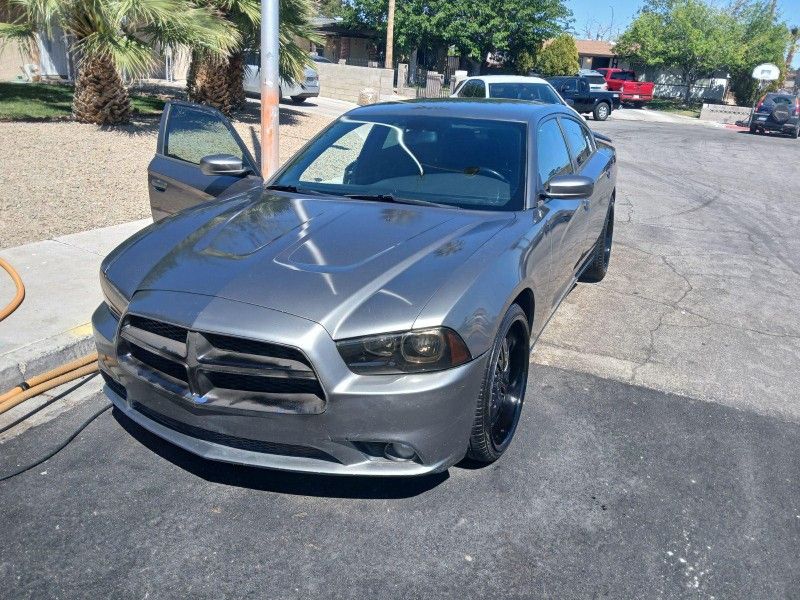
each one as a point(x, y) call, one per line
point(395, 199)
point(293, 189)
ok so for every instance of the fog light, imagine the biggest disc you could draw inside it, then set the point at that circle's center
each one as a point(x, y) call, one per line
point(399, 451)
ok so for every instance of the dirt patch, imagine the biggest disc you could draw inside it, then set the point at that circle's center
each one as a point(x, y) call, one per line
point(63, 177)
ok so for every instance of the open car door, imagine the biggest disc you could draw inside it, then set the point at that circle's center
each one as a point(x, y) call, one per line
point(199, 157)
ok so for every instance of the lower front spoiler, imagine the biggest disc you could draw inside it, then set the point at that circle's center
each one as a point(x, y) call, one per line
point(227, 454)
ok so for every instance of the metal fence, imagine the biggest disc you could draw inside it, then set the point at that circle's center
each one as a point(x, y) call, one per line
point(431, 83)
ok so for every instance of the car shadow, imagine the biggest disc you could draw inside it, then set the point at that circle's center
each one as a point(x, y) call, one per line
point(269, 480)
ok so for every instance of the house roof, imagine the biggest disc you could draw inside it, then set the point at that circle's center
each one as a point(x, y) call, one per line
point(595, 48)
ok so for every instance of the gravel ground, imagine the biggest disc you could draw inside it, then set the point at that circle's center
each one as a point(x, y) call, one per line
point(65, 177)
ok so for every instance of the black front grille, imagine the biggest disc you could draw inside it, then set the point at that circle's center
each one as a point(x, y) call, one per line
point(243, 346)
point(166, 330)
point(266, 385)
point(115, 385)
point(233, 441)
point(159, 363)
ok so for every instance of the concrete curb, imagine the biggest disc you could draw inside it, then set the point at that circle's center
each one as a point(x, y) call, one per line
point(43, 355)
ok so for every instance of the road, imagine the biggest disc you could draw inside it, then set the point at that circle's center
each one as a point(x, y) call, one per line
point(702, 294)
point(657, 456)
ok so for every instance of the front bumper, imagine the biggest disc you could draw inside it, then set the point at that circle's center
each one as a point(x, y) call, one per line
point(431, 412)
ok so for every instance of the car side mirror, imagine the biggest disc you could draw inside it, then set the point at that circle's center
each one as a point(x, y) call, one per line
point(569, 186)
point(222, 164)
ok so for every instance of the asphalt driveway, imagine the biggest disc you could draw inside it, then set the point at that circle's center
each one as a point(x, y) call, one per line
point(615, 486)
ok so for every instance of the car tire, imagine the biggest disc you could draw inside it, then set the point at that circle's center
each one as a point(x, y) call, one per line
point(754, 130)
point(601, 111)
point(503, 390)
point(298, 99)
point(601, 254)
point(796, 133)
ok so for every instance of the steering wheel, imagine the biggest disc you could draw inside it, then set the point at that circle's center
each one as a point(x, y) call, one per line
point(486, 170)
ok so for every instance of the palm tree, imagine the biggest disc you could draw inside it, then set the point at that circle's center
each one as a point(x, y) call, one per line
point(218, 80)
point(116, 39)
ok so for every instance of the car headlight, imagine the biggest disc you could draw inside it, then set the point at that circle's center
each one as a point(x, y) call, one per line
point(419, 351)
point(115, 299)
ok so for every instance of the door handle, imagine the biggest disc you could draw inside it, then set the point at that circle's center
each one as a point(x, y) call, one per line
point(159, 185)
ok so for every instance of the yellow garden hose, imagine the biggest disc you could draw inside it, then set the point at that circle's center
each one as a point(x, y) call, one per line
point(80, 367)
point(19, 296)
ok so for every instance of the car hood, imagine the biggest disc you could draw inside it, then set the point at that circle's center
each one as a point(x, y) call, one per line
point(355, 267)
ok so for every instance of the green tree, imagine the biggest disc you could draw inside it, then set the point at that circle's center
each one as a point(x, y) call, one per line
point(474, 29)
point(559, 57)
point(116, 39)
point(690, 36)
point(218, 80)
point(763, 39)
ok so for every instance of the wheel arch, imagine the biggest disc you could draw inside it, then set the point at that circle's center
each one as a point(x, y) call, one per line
point(527, 302)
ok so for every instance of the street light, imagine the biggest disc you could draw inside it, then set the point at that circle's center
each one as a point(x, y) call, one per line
point(270, 87)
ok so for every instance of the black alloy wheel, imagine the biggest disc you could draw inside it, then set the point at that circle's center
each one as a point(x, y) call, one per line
point(503, 392)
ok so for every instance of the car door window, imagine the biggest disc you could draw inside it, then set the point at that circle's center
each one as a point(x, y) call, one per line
point(474, 88)
point(579, 140)
point(552, 155)
point(569, 85)
point(193, 133)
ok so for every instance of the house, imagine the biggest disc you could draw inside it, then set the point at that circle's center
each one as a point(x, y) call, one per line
point(342, 43)
point(596, 54)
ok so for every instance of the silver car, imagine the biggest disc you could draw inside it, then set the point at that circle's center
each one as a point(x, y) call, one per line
point(297, 91)
point(371, 308)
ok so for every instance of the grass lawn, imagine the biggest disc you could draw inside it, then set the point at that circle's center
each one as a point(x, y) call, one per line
point(43, 101)
point(677, 107)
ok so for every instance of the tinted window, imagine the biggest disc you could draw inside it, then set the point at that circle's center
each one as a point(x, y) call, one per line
point(552, 155)
point(595, 79)
point(779, 99)
point(579, 140)
point(524, 91)
point(192, 134)
point(625, 76)
point(474, 88)
point(568, 85)
point(469, 163)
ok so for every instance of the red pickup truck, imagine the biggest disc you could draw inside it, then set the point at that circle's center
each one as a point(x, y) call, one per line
point(630, 90)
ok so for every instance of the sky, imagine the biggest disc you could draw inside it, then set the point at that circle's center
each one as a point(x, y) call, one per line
point(602, 15)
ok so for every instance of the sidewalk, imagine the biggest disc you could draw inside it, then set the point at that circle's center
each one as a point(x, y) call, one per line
point(62, 289)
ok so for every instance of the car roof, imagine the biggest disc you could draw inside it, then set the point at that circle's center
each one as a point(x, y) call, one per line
point(470, 108)
point(507, 79)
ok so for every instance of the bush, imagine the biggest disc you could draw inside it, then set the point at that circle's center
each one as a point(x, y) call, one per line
point(559, 57)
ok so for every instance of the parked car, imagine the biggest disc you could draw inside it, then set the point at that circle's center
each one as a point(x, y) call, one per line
point(578, 93)
point(516, 87)
point(298, 91)
point(371, 309)
point(625, 82)
point(596, 80)
point(777, 111)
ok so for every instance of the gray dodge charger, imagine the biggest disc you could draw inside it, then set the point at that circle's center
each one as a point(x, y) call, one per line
point(371, 308)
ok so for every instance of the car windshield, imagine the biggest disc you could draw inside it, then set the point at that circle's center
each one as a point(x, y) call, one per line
point(524, 91)
point(465, 163)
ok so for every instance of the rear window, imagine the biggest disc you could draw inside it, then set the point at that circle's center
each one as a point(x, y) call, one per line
point(625, 76)
point(779, 99)
point(594, 79)
point(524, 91)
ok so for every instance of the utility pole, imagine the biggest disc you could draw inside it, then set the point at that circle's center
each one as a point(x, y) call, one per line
point(270, 87)
point(390, 36)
